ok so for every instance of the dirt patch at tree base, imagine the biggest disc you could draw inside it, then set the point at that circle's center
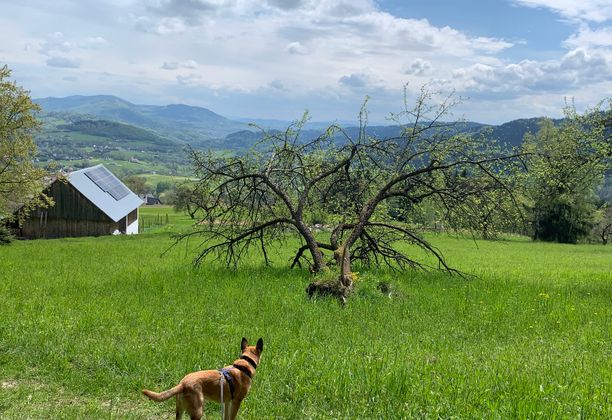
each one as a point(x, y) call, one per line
point(332, 288)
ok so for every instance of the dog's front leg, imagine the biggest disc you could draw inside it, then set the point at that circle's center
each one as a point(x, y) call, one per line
point(227, 407)
point(233, 410)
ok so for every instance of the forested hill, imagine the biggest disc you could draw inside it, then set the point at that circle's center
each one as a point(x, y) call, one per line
point(181, 122)
point(510, 133)
point(514, 131)
point(116, 130)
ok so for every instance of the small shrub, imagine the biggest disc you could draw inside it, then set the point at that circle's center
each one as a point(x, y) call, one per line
point(5, 235)
point(318, 217)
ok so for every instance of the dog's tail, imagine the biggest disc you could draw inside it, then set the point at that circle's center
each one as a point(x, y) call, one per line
point(163, 396)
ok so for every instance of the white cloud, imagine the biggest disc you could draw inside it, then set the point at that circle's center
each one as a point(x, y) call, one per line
point(296, 48)
point(174, 65)
point(358, 22)
point(192, 79)
point(587, 10)
point(586, 37)
point(418, 67)
point(162, 26)
point(63, 62)
point(55, 43)
point(277, 84)
point(190, 12)
point(355, 80)
point(309, 44)
point(577, 68)
point(287, 4)
point(61, 52)
point(94, 43)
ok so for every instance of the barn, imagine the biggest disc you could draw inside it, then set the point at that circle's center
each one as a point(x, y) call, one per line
point(89, 202)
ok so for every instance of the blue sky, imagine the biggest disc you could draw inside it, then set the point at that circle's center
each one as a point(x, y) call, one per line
point(492, 18)
point(277, 58)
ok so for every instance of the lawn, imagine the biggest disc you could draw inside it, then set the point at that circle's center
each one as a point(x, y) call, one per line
point(86, 323)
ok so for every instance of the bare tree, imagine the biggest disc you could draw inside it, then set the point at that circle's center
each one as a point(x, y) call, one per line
point(429, 162)
point(261, 197)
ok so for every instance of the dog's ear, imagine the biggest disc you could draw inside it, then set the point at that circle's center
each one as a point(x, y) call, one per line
point(259, 346)
point(243, 344)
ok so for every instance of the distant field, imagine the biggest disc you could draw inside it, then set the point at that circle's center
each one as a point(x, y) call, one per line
point(162, 218)
point(121, 167)
point(86, 323)
point(153, 179)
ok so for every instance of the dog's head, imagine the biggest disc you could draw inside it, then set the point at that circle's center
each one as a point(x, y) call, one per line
point(252, 351)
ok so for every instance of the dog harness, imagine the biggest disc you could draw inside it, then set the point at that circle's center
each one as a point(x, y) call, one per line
point(230, 379)
point(230, 382)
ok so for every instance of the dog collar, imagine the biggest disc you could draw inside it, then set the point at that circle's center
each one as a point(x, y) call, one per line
point(243, 370)
point(248, 359)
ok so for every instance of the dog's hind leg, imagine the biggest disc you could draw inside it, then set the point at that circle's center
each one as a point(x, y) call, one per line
point(194, 404)
point(179, 406)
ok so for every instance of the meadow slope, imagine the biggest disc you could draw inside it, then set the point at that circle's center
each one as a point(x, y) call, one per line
point(86, 323)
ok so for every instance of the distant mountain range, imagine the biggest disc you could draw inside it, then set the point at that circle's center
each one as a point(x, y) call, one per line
point(107, 127)
point(197, 124)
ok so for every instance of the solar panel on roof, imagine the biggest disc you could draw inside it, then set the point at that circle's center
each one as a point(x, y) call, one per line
point(107, 182)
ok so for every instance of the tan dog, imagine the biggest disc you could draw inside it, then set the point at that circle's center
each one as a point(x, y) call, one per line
point(197, 387)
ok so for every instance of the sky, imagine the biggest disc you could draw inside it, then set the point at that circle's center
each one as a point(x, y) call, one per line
point(274, 59)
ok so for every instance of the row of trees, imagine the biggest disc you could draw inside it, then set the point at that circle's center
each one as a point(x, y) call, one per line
point(567, 165)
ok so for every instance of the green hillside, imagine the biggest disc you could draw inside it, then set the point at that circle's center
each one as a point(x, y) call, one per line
point(137, 138)
point(77, 143)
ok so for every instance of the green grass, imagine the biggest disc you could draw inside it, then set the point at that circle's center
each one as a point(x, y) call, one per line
point(163, 218)
point(86, 323)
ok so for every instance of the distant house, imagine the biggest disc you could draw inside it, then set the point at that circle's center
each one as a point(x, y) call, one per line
point(91, 202)
point(150, 199)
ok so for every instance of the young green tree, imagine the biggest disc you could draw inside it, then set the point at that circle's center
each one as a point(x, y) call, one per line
point(163, 186)
point(138, 184)
point(21, 182)
point(184, 198)
point(603, 228)
point(567, 164)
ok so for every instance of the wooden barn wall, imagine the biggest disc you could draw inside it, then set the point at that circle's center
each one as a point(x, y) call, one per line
point(72, 215)
point(60, 228)
point(71, 204)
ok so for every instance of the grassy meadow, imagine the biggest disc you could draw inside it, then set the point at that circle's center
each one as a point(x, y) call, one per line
point(86, 323)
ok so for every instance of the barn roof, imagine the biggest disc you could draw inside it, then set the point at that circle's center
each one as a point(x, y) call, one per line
point(105, 191)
